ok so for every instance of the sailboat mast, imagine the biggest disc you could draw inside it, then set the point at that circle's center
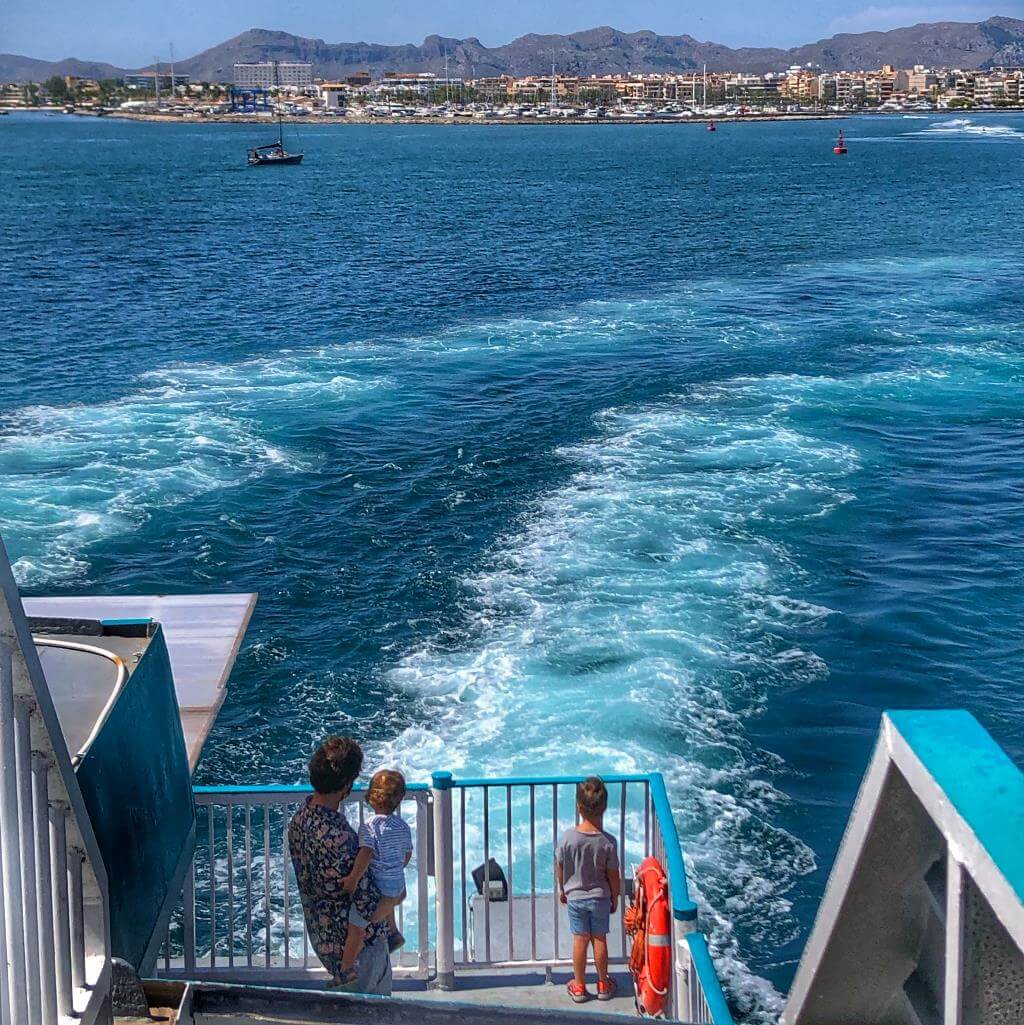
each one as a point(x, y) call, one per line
point(553, 88)
point(705, 102)
point(156, 80)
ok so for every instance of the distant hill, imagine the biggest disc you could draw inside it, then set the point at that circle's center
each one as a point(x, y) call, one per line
point(27, 69)
point(991, 43)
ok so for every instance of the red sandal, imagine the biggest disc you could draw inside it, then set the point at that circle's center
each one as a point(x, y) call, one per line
point(578, 991)
point(606, 988)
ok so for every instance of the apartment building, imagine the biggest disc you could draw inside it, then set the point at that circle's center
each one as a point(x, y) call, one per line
point(289, 74)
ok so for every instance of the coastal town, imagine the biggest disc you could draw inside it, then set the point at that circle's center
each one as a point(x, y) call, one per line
point(294, 90)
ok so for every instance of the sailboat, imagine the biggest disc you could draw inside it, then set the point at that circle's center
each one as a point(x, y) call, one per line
point(274, 153)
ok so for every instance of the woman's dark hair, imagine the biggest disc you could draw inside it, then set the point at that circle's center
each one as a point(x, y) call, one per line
point(335, 765)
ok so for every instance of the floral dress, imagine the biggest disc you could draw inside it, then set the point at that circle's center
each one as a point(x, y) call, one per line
point(323, 848)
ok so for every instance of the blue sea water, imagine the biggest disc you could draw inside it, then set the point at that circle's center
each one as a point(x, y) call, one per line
point(625, 447)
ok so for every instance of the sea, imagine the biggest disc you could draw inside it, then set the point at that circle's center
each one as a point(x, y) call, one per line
point(547, 448)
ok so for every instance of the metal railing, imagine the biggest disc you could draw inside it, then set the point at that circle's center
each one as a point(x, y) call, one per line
point(54, 908)
point(241, 917)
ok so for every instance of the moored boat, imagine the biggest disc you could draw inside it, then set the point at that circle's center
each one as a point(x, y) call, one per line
point(273, 154)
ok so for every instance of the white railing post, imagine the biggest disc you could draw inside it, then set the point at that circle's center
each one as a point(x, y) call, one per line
point(23, 750)
point(10, 849)
point(422, 891)
point(952, 1012)
point(44, 891)
point(188, 919)
point(444, 879)
point(61, 916)
point(76, 906)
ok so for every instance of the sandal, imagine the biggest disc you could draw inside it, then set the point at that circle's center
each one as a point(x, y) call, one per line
point(578, 991)
point(606, 988)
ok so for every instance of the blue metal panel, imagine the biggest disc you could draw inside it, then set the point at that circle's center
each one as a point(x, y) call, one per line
point(136, 785)
point(982, 784)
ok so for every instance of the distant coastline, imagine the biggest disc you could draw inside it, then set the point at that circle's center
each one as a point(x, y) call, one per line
point(249, 119)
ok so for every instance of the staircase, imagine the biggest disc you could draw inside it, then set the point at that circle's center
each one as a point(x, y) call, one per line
point(54, 908)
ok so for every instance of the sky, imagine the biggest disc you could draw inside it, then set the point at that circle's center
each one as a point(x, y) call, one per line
point(130, 33)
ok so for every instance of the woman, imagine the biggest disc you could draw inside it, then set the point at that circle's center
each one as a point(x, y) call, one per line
point(323, 848)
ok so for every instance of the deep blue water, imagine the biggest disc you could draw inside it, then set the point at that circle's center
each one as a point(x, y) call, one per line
point(625, 447)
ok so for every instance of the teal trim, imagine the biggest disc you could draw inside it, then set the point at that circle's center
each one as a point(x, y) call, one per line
point(441, 780)
point(705, 969)
point(522, 781)
point(282, 788)
point(142, 621)
point(683, 909)
point(981, 782)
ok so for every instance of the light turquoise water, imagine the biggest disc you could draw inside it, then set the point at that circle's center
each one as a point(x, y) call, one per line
point(546, 448)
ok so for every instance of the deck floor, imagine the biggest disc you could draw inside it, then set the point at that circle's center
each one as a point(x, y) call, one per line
point(529, 990)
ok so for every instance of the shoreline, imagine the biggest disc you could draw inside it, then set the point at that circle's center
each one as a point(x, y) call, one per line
point(249, 119)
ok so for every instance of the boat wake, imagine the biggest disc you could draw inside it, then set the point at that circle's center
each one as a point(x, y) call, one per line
point(960, 128)
point(74, 475)
point(646, 606)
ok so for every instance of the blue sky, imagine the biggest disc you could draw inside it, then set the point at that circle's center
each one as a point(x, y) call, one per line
point(132, 32)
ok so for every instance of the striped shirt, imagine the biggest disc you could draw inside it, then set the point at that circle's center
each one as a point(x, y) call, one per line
point(390, 839)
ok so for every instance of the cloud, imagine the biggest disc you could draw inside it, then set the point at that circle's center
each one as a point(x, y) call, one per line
point(879, 18)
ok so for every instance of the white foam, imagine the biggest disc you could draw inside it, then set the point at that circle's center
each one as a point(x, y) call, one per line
point(72, 475)
point(967, 128)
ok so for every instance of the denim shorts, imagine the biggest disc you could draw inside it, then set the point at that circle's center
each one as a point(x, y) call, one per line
point(589, 917)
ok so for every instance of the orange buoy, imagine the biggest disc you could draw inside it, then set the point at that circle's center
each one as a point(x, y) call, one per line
point(649, 922)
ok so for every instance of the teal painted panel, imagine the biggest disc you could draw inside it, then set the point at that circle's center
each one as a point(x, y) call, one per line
point(136, 784)
point(978, 777)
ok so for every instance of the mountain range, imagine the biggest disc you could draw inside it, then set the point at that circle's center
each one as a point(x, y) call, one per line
point(992, 43)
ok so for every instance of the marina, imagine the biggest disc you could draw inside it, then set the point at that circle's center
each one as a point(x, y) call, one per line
point(516, 473)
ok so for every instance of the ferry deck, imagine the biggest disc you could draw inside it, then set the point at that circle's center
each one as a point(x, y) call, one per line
point(131, 895)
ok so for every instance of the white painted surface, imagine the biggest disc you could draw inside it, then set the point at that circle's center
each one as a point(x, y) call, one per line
point(203, 633)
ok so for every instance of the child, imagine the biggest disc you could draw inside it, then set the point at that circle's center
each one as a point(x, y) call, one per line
point(385, 847)
point(587, 872)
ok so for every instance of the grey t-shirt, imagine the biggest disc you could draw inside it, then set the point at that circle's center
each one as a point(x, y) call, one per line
point(586, 859)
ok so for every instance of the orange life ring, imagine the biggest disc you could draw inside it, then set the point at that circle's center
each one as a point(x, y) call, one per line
point(649, 921)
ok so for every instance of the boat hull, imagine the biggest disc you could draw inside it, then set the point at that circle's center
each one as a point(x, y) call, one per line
point(289, 158)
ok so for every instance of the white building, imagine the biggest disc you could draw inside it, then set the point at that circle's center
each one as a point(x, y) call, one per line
point(263, 76)
point(333, 94)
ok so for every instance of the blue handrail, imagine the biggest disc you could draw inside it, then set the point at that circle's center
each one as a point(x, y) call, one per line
point(285, 788)
point(683, 908)
point(522, 781)
point(705, 969)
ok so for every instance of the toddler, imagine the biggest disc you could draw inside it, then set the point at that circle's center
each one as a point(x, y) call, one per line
point(385, 847)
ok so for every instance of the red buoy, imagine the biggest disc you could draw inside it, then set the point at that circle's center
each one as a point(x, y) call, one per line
point(711, 126)
point(840, 147)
